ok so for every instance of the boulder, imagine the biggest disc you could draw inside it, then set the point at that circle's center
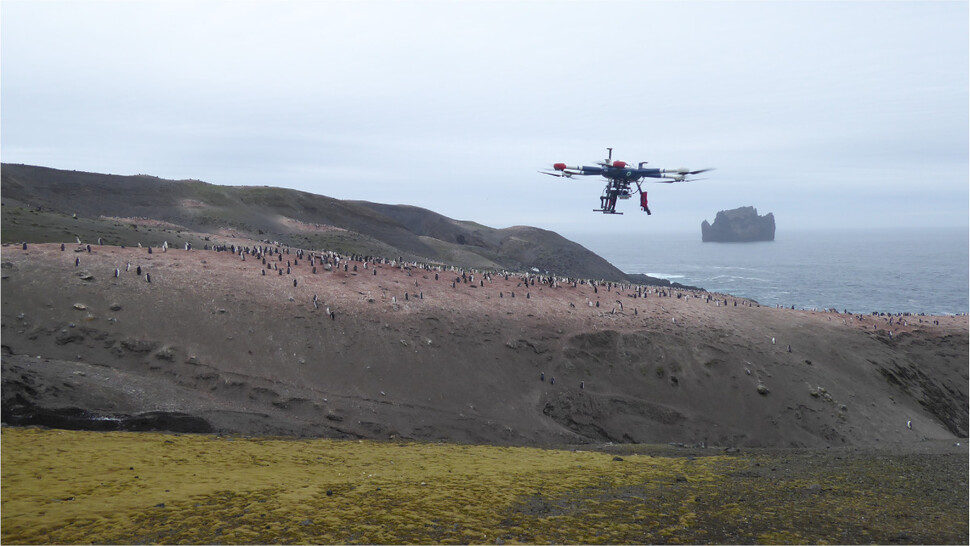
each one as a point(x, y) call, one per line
point(740, 225)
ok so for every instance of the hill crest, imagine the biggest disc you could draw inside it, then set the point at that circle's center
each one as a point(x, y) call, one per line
point(300, 219)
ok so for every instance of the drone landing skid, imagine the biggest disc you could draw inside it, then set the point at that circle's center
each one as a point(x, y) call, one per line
point(605, 211)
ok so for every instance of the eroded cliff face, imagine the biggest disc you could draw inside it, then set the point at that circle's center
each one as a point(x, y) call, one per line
point(740, 225)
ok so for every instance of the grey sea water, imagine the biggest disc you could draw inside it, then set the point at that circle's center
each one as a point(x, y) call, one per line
point(916, 271)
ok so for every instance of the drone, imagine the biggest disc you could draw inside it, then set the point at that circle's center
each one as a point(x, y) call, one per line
point(619, 176)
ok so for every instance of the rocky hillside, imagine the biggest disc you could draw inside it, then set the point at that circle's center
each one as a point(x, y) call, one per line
point(102, 202)
point(216, 342)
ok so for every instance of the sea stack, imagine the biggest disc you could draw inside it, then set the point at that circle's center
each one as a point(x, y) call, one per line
point(740, 225)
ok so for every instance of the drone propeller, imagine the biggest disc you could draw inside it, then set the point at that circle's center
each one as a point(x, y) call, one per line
point(686, 171)
point(679, 179)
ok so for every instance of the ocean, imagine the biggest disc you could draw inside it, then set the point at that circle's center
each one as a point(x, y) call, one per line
point(916, 271)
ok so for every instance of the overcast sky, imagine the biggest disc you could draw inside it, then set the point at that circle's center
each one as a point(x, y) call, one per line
point(828, 114)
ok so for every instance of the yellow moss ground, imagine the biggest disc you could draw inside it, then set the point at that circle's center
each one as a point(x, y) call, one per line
point(90, 487)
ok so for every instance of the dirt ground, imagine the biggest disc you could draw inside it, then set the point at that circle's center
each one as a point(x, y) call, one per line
point(382, 351)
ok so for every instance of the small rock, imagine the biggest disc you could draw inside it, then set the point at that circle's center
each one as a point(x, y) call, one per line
point(617, 458)
point(115, 307)
point(80, 306)
point(762, 389)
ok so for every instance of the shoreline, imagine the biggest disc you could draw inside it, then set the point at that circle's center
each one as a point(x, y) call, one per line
point(886, 271)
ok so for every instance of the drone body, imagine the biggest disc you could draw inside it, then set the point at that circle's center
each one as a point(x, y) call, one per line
point(619, 176)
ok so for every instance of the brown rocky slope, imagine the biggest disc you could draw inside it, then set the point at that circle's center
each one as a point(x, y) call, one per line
point(212, 344)
point(291, 217)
